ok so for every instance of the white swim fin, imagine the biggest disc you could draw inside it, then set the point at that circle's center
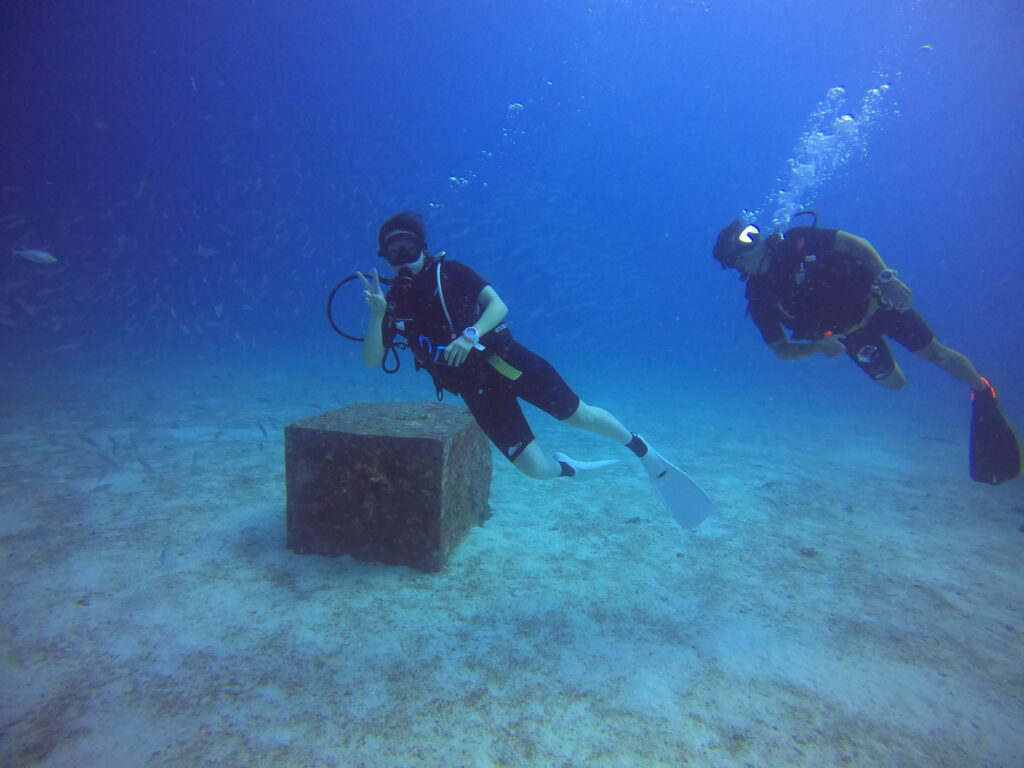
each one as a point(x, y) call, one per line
point(582, 468)
point(679, 493)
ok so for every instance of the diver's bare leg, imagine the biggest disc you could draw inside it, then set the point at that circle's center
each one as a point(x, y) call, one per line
point(600, 422)
point(953, 363)
point(533, 462)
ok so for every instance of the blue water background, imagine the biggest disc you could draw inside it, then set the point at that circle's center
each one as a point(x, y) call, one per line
point(206, 171)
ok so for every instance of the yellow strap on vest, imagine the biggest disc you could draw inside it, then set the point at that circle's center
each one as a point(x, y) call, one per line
point(504, 368)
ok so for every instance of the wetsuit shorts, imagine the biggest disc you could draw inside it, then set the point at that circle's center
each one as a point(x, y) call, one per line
point(870, 352)
point(492, 397)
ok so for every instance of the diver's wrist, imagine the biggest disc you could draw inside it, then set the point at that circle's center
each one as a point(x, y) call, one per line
point(886, 276)
point(472, 335)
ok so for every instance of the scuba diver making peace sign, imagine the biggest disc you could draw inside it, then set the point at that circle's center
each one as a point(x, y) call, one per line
point(453, 320)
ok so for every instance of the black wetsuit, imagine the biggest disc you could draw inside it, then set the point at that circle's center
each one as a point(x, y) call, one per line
point(816, 290)
point(489, 381)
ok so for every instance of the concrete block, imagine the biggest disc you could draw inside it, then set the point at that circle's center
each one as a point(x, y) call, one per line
point(395, 483)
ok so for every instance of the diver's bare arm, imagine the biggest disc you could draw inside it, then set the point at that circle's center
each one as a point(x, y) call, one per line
point(373, 342)
point(787, 350)
point(494, 310)
point(893, 292)
point(862, 252)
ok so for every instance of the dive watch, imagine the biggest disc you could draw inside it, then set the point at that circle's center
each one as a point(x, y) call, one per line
point(472, 335)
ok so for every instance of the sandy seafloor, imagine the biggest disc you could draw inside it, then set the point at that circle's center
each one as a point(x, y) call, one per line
point(857, 600)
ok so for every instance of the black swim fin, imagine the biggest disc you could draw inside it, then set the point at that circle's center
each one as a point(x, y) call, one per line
point(995, 451)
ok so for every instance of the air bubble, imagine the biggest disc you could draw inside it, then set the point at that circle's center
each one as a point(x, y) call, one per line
point(831, 140)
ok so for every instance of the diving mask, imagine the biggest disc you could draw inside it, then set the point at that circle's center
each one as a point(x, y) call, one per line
point(402, 248)
point(735, 239)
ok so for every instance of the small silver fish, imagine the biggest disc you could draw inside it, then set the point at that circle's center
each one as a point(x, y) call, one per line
point(34, 254)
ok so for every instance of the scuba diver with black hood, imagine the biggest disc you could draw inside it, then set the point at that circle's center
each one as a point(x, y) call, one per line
point(453, 321)
point(834, 293)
